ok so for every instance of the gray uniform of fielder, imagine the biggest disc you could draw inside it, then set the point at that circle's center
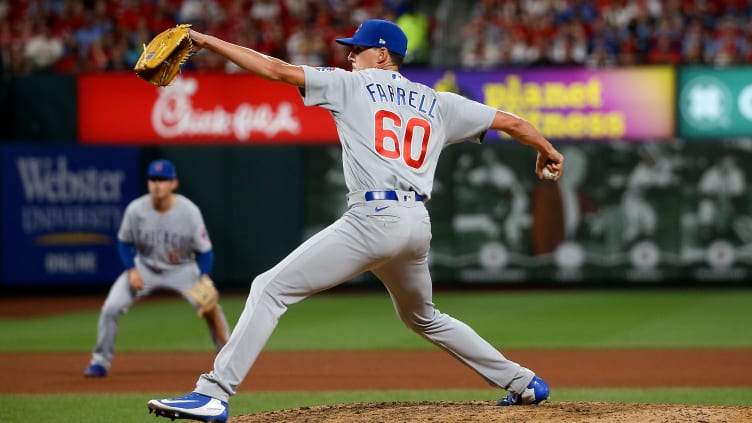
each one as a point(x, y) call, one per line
point(165, 257)
point(392, 132)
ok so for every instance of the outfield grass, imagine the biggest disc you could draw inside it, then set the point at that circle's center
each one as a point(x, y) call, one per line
point(539, 320)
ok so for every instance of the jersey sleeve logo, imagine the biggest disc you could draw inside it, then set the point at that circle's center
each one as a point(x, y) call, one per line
point(325, 69)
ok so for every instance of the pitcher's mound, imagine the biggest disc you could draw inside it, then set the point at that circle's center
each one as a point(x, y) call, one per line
point(486, 411)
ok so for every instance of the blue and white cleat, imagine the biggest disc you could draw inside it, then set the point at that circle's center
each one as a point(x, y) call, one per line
point(193, 406)
point(95, 370)
point(536, 392)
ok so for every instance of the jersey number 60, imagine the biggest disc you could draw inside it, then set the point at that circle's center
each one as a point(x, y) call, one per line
point(393, 149)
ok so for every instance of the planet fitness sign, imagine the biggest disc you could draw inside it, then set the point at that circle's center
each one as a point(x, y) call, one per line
point(573, 104)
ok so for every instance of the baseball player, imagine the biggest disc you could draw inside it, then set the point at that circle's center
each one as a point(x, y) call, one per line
point(163, 244)
point(392, 131)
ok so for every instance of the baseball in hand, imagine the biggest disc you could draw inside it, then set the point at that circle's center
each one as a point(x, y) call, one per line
point(549, 174)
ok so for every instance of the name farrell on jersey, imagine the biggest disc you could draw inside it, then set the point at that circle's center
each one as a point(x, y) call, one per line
point(387, 93)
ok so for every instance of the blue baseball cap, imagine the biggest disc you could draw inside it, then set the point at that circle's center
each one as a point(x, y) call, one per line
point(163, 169)
point(378, 33)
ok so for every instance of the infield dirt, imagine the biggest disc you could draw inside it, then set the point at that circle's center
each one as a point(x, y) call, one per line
point(383, 370)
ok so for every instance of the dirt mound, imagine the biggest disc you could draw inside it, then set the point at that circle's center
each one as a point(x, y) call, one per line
point(486, 411)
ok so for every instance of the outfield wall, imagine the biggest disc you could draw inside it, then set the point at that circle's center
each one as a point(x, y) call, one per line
point(655, 190)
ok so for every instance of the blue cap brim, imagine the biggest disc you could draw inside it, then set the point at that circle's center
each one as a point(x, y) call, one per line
point(352, 43)
point(345, 41)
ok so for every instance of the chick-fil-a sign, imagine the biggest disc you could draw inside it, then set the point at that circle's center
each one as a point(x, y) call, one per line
point(197, 109)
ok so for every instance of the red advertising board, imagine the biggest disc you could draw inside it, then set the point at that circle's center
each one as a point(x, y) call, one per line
point(119, 109)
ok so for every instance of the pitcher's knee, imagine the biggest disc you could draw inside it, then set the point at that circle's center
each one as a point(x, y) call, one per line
point(268, 291)
point(423, 324)
point(279, 288)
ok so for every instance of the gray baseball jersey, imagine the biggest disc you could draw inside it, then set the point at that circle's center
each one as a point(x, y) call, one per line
point(392, 132)
point(166, 246)
point(165, 241)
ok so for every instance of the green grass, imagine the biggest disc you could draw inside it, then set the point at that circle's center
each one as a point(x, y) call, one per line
point(542, 320)
point(538, 320)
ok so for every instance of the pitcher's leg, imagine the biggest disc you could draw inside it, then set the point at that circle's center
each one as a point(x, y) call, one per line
point(322, 262)
point(409, 284)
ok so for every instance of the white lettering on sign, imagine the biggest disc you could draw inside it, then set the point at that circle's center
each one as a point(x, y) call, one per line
point(70, 263)
point(47, 219)
point(48, 180)
point(173, 116)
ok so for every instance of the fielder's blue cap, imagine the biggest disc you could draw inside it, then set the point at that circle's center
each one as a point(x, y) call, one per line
point(378, 33)
point(163, 169)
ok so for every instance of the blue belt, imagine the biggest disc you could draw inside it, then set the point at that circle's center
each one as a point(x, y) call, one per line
point(388, 195)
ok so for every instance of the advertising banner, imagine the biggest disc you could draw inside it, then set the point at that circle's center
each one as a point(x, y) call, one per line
point(62, 208)
point(636, 104)
point(564, 104)
point(622, 212)
point(197, 109)
point(715, 103)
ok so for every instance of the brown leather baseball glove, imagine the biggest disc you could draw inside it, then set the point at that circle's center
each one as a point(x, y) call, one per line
point(205, 294)
point(160, 61)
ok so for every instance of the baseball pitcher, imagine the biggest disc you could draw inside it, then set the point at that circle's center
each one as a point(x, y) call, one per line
point(392, 132)
point(163, 244)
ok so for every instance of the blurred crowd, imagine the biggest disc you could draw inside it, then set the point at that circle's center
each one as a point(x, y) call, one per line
point(601, 33)
point(71, 36)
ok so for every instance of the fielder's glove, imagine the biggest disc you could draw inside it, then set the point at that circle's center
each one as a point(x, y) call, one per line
point(205, 294)
point(161, 59)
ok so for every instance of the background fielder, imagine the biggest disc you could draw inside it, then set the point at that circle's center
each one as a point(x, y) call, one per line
point(163, 244)
point(392, 132)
